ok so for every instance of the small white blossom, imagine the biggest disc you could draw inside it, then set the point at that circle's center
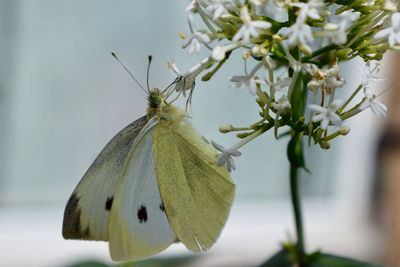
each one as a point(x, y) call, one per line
point(311, 9)
point(390, 6)
point(245, 81)
point(225, 158)
point(333, 79)
point(377, 108)
point(370, 73)
point(347, 18)
point(326, 115)
point(194, 40)
point(192, 7)
point(337, 31)
point(294, 64)
point(299, 33)
point(258, 2)
point(249, 28)
point(217, 8)
point(270, 8)
point(393, 32)
point(181, 82)
point(173, 68)
point(219, 52)
point(329, 78)
point(282, 104)
point(280, 83)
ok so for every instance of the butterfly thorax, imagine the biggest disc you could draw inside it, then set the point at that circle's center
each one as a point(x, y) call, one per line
point(158, 107)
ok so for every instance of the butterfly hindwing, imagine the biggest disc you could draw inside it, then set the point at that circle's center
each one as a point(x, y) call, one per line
point(87, 212)
point(138, 226)
point(197, 194)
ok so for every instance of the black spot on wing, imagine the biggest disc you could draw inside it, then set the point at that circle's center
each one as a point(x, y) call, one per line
point(109, 203)
point(162, 208)
point(142, 214)
point(72, 228)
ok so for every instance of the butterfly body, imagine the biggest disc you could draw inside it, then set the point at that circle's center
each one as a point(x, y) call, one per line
point(154, 183)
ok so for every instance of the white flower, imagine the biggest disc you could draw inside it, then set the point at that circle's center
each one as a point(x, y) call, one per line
point(282, 104)
point(194, 40)
point(370, 73)
point(181, 83)
point(337, 31)
point(280, 83)
point(330, 78)
point(258, 2)
point(299, 33)
point(225, 158)
point(294, 64)
point(219, 52)
point(245, 81)
point(333, 79)
point(390, 6)
point(269, 8)
point(393, 32)
point(311, 9)
point(248, 80)
point(326, 115)
point(217, 8)
point(249, 28)
point(193, 5)
point(377, 108)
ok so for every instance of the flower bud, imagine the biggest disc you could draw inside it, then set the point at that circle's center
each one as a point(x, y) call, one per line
point(390, 6)
point(306, 49)
point(246, 54)
point(344, 130)
point(226, 128)
point(256, 51)
point(218, 53)
point(325, 145)
point(330, 27)
point(182, 36)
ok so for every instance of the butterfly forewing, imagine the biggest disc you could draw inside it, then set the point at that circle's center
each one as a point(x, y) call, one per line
point(197, 194)
point(138, 225)
point(87, 212)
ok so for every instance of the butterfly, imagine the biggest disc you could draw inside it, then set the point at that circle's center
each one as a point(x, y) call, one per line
point(155, 183)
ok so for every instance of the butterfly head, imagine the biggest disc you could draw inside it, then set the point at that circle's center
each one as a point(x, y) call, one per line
point(158, 106)
point(156, 100)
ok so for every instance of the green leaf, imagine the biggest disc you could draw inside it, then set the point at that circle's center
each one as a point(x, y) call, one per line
point(284, 258)
point(88, 264)
point(295, 151)
point(155, 262)
point(280, 259)
point(160, 262)
point(298, 98)
point(327, 260)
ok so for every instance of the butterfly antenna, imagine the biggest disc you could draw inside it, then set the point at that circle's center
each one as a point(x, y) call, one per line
point(148, 73)
point(130, 73)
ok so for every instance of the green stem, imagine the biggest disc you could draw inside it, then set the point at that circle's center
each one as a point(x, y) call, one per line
point(319, 52)
point(340, 110)
point(295, 196)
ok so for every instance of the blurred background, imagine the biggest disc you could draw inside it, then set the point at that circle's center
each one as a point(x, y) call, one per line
point(62, 97)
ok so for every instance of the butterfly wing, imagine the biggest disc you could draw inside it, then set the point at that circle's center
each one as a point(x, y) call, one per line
point(87, 211)
point(197, 194)
point(138, 226)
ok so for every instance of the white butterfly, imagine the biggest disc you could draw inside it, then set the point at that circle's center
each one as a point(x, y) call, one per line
point(156, 182)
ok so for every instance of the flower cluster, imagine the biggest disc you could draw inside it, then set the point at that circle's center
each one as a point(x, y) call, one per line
point(303, 41)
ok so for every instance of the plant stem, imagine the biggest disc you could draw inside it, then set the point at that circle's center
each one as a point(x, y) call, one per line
point(294, 192)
